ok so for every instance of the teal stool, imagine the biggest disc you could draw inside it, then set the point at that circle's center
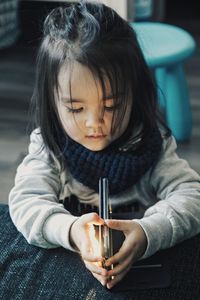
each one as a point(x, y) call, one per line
point(165, 48)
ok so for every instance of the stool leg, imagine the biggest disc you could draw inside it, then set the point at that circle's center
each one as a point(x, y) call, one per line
point(178, 110)
point(160, 75)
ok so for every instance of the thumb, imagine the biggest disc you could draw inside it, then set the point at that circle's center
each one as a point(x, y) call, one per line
point(86, 251)
point(122, 225)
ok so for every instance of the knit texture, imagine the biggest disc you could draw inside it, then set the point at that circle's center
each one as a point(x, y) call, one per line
point(123, 169)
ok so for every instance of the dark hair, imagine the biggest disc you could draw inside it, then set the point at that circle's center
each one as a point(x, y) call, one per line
point(97, 37)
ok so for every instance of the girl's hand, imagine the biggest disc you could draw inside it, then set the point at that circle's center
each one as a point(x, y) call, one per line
point(80, 238)
point(133, 248)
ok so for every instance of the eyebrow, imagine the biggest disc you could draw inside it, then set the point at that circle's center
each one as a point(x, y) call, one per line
point(69, 100)
point(74, 100)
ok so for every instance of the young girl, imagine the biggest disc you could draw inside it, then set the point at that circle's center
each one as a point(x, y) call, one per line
point(96, 116)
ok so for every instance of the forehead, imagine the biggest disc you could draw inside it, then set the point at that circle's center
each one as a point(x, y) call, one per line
point(75, 77)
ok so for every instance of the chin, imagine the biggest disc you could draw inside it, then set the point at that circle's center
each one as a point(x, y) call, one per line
point(95, 148)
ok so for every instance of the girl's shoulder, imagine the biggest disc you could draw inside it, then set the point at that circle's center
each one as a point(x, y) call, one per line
point(37, 148)
point(168, 141)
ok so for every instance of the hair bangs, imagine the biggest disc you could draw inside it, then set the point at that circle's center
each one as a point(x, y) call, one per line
point(113, 80)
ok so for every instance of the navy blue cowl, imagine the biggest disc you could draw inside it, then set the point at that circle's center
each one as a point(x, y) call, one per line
point(122, 168)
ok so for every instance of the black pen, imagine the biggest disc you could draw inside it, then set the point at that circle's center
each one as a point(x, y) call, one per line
point(105, 212)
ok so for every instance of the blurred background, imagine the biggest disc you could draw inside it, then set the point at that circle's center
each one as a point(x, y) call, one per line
point(20, 32)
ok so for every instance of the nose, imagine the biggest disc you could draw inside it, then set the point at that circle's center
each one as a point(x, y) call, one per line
point(94, 119)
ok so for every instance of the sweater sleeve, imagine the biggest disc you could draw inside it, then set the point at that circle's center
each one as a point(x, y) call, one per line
point(176, 215)
point(33, 201)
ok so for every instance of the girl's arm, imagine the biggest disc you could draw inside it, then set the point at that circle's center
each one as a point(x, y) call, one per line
point(33, 201)
point(172, 219)
point(176, 216)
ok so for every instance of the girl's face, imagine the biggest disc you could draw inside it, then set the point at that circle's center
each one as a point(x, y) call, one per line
point(86, 115)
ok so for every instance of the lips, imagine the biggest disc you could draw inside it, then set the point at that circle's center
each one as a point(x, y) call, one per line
point(96, 136)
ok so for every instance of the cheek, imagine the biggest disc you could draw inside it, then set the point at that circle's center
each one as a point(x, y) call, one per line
point(70, 124)
point(66, 121)
point(108, 120)
point(69, 128)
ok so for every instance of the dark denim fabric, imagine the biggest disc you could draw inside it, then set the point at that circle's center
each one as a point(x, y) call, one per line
point(28, 272)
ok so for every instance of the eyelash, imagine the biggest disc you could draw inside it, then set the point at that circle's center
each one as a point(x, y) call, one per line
point(74, 110)
point(111, 108)
point(78, 110)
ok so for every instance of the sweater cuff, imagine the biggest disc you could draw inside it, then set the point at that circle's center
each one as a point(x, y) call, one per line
point(158, 231)
point(56, 230)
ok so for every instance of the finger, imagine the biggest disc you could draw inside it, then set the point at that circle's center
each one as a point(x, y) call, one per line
point(122, 266)
point(87, 253)
point(94, 268)
point(121, 255)
point(88, 256)
point(92, 218)
point(116, 279)
point(86, 248)
point(103, 280)
point(122, 225)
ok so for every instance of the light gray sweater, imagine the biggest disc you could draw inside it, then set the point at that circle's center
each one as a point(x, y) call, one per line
point(170, 193)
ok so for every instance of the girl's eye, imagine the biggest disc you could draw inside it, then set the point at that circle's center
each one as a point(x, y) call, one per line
point(111, 108)
point(74, 110)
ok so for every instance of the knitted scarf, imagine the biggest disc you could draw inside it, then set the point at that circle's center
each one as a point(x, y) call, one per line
point(122, 168)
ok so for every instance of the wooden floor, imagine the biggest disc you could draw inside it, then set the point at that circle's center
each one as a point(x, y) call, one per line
point(16, 85)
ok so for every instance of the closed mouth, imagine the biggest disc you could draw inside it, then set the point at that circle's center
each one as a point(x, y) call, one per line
point(96, 136)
